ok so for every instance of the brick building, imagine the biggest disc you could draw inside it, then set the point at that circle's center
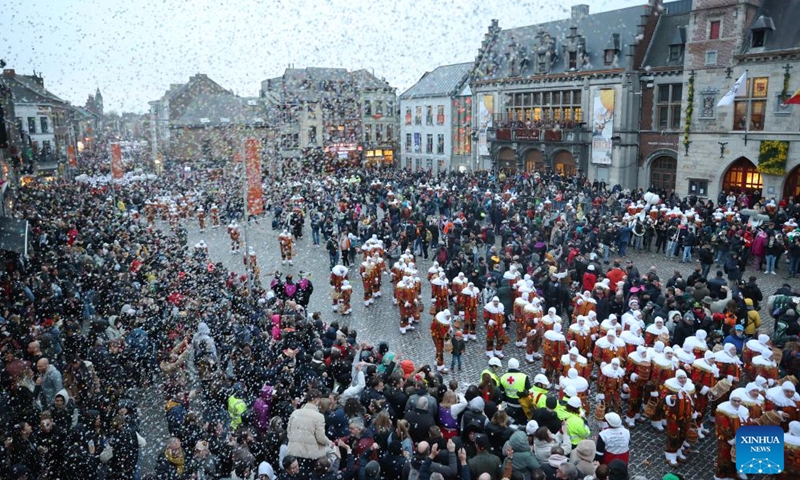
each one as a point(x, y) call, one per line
point(732, 147)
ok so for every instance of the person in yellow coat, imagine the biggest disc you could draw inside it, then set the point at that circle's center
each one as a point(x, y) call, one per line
point(753, 320)
point(576, 425)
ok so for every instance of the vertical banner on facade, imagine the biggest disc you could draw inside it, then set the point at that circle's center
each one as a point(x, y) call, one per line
point(602, 126)
point(485, 114)
point(252, 162)
point(117, 170)
point(71, 158)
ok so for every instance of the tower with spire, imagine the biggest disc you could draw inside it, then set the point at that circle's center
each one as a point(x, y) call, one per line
point(98, 101)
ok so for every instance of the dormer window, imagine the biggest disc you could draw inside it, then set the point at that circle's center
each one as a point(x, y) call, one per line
point(676, 46)
point(758, 32)
point(573, 60)
point(675, 53)
point(758, 38)
point(612, 49)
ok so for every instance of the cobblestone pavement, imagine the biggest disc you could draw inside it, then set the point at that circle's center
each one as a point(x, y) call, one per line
point(380, 323)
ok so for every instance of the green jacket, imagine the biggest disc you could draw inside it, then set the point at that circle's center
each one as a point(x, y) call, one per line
point(524, 460)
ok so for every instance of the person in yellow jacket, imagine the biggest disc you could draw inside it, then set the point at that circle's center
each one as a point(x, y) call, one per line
point(576, 425)
point(539, 390)
point(236, 406)
point(493, 370)
point(753, 320)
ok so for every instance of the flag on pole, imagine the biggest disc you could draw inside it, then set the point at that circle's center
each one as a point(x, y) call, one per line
point(739, 89)
point(794, 99)
point(71, 158)
point(255, 194)
point(117, 170)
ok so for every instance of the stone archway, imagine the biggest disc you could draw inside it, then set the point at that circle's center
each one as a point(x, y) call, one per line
point(564, 163)
point(741, 176)
point(791, 185)
point(507, 159)
point(534, 161)
point(663, 171)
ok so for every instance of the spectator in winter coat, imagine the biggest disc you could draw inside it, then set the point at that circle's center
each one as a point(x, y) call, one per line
point(306, 430)
point(203, 343)
point(684, 329)
point(752, 292)
point(261, 409)
point(523, 460)
point(49, 381)
point(715, 285)
point(733, 269)
point(753, 320)
point(420, 420)
point(737, 338)
point(544, 441)
point(589, 278)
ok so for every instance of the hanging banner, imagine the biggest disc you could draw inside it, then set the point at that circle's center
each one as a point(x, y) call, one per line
point(485, 115)
point(73, 161)
point(255, 200)
point(602, 126)
point(117, 170)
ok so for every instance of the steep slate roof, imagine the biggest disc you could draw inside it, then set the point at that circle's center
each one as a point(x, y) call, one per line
point(222, 110)
point(671, 30)
point(444, 81)
point(784, 15)
point(365, 80)
point(26, 90)
point(597, 28)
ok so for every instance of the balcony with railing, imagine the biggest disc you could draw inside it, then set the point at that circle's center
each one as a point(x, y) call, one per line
point(547, 130)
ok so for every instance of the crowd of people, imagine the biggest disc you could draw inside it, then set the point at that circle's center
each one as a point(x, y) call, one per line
point(112, 301)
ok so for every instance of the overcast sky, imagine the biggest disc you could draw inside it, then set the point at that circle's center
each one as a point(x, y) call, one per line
point(133, 50)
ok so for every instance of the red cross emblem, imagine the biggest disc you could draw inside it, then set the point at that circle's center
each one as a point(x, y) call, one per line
point(511, 380)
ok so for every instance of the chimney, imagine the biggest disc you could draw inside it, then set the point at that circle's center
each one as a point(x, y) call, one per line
point(9, 72)
point(580, 11)
point(38, 79)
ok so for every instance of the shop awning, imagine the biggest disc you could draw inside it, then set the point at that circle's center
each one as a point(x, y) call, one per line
point(14, 235)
